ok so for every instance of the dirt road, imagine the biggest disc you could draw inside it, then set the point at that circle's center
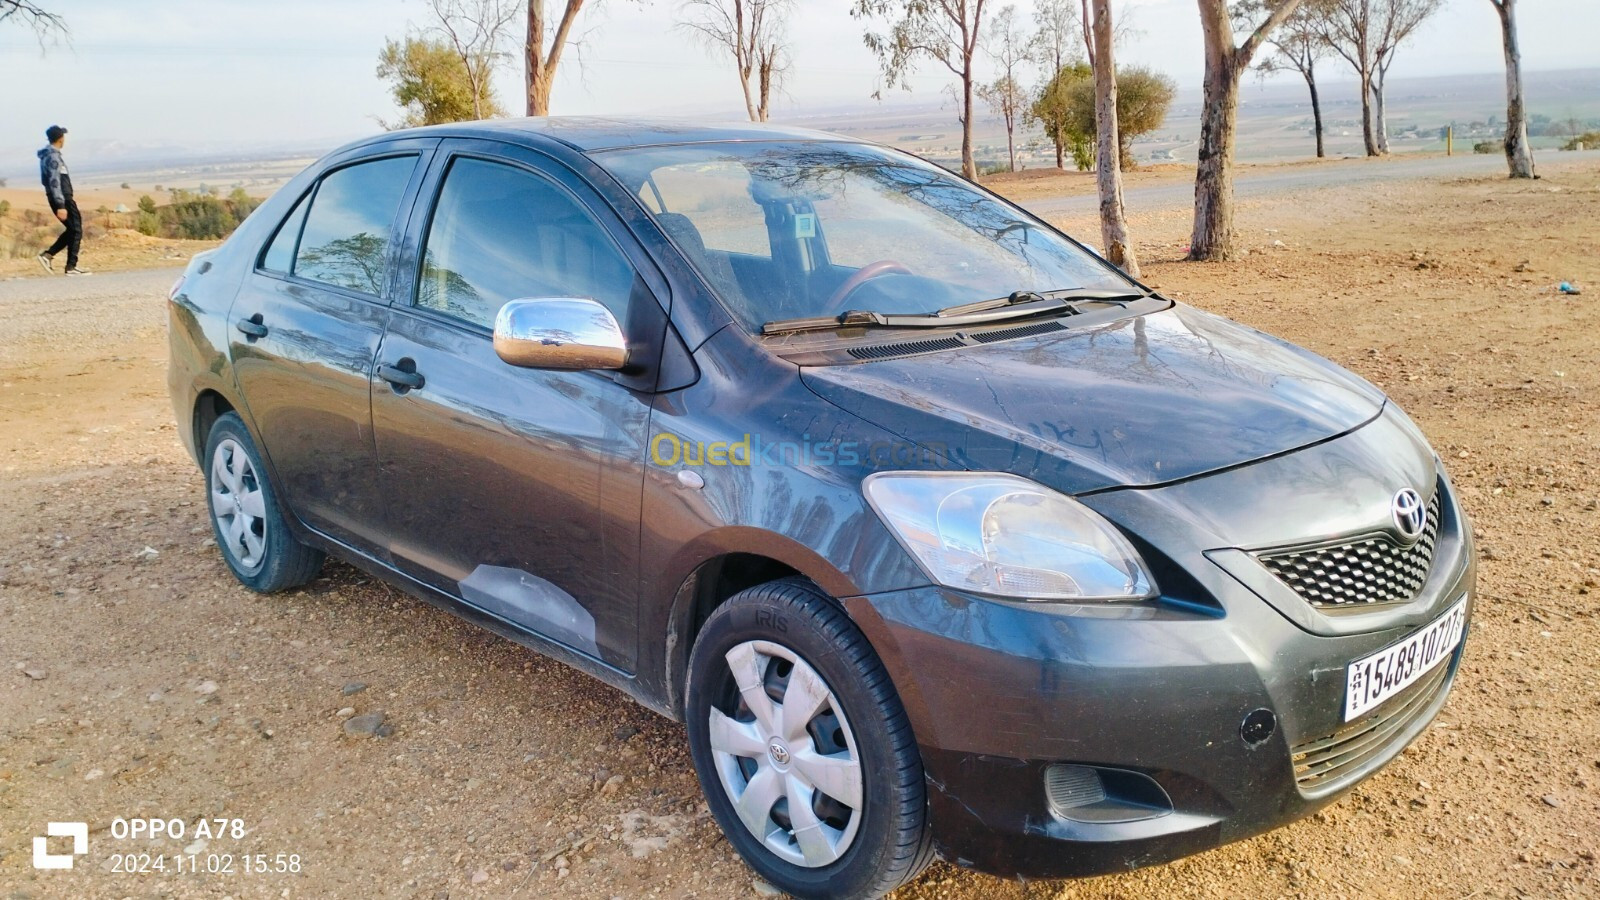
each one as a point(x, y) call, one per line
point(140, 681)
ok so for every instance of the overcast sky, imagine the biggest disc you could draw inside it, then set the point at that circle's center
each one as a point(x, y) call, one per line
point(252, 72)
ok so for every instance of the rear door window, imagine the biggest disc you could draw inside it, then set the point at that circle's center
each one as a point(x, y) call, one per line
point(345, 242)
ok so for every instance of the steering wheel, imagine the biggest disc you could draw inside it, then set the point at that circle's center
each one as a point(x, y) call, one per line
point(861, 276)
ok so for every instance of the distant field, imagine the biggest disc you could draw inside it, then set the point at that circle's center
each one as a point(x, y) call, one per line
point(1275, 119)
point(1274, 125)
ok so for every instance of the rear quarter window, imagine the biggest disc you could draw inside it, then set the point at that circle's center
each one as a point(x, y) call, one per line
point(279, 256)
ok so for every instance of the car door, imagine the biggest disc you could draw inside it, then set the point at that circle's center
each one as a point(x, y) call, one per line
point(517, 490)
point(307, 322)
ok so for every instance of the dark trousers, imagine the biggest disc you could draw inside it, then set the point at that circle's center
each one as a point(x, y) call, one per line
point(72, 238)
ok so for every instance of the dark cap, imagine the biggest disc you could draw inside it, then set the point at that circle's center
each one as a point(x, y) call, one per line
point(54, 133)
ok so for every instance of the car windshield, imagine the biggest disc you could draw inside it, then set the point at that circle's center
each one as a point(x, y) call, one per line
point(793, 230)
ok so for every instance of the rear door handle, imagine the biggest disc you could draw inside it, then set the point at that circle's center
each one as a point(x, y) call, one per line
point(252, 327)
point(403, 376)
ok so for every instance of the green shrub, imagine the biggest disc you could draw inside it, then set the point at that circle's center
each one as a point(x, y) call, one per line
point(1589, 139)
point(197, 217)
point(1489, 147)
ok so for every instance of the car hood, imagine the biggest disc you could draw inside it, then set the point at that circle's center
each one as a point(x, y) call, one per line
point(1141, 401)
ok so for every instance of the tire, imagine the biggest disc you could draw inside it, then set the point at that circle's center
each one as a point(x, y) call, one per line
point(246, 520)
point(786, 636)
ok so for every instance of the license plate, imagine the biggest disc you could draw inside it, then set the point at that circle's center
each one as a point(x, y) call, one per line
point(1373, 679)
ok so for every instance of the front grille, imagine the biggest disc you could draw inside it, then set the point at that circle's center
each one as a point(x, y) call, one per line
point(1327, 760)
point(1368, 570)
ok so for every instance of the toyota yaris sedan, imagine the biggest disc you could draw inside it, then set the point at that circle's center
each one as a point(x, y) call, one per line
point(940, 534)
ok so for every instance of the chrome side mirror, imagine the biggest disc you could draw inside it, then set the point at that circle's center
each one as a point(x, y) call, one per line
point(559, 333)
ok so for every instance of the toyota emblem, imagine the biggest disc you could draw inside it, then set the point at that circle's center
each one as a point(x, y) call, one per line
point(1410, 516)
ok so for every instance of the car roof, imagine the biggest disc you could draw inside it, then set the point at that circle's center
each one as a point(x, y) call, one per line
point(595, 133)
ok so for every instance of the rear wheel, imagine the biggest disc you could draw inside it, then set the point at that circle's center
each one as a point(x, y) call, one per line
point(803, 748)
point(255, 541)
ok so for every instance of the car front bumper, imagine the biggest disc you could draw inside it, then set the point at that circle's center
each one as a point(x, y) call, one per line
point(999, 691)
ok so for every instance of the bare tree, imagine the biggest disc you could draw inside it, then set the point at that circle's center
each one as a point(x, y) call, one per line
point(1296, 47)
point(1057, 34)
point(1347, 27)
point(942, 30)
point(1219, 119)
point(1005, 95)
point(541, 57)
point(1118, 246)
point(1086, 22)
point(749, 30)
point(1396, 20)
point(31, 15)
point(1519, 155)
point(476, 30)
point(1056, 44)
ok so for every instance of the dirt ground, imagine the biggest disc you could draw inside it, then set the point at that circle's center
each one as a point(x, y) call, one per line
point(140, 681)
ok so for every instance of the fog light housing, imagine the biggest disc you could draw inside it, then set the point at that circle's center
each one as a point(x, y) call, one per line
point(1098, 795)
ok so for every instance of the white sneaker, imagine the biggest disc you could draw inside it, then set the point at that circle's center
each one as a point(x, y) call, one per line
point(48, 261)
point(77, 271)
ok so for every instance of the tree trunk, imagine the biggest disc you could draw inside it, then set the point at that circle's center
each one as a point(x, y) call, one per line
point(1011, 139)
point(1380, 123)
point(765, 108)
point(1114, 237)
point(1519, 156)
point(1213, 184)
point(1061, 152)
point(1316, 108)
point(1366, 114)
point(744, 83)
point(969, 165)
point(539, 84)
point(540, 67)
point(1087, 20)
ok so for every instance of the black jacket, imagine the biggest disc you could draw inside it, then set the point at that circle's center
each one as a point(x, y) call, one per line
point(53, 175)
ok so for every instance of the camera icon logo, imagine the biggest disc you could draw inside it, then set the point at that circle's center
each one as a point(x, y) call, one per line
point(44, 859)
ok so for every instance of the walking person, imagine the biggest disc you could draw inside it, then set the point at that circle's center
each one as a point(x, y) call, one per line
point(58, 189)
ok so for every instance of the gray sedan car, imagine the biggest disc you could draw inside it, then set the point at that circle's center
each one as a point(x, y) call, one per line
point(940, 534)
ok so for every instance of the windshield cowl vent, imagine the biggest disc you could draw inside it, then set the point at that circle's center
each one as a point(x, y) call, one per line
point(964, 339)
point(905, 348)
point(1019, 331)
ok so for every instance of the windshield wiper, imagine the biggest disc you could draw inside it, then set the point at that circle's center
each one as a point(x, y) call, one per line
point(1016, 305)
point(1018, 297)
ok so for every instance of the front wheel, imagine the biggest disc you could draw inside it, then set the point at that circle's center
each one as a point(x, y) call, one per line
point(803, 748)
point(255, 540)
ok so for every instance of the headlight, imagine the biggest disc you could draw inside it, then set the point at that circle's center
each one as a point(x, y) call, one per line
point(993, 533)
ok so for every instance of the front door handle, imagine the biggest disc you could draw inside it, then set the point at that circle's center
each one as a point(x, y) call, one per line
point(403, 375)
point(252, 327)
